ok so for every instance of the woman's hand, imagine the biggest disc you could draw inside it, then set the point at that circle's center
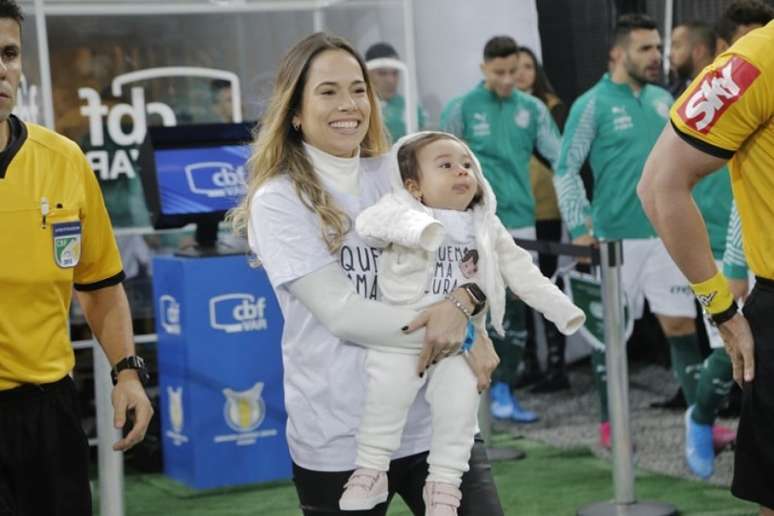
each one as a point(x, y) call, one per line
point(483, 360)
point(445, 326)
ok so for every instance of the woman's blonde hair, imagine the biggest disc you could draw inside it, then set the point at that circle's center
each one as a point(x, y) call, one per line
point(277, 147)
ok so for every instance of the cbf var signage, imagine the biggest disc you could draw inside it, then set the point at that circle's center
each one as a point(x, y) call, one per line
point(220, 372)
point(233, 313)
point(117, 125)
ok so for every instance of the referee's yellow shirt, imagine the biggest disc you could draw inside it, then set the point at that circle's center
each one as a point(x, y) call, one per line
point(728, 111)
point(54, 234)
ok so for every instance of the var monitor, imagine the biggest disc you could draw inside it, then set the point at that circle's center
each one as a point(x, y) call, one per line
point(194, 174)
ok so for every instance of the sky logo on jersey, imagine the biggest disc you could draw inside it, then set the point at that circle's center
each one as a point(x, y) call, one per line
point(715, 93)
point(216, 179)
point(233, 313)
point(170, 314)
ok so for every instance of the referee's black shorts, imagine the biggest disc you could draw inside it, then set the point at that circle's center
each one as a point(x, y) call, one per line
point(44, 454)
point(754, 459)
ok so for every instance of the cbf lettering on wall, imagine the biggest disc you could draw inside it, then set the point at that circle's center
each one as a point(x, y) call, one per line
point(117, 129)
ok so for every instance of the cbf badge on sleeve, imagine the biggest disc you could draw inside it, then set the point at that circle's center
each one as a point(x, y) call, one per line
point(67, 243)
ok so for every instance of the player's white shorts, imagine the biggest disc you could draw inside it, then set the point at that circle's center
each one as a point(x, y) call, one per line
point(648, 272)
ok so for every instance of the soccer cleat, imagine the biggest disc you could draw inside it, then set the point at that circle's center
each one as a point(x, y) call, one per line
point(521, 415)
point(699, 452)
point(502, 400)
point(441, 499)
point(365, 489)
point(722, 438)
point(604, 435)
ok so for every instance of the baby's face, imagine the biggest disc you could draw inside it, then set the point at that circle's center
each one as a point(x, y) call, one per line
point(447, 180)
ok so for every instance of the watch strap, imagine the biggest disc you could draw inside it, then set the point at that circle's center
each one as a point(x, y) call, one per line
point(726, 315)
point(131, 362)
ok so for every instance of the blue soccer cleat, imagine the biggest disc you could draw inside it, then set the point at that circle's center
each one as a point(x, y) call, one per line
point(521, 415)
point(699, 452)
point(502, 400)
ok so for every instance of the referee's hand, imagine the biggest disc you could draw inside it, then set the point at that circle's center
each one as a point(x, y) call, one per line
point(739, 343)
point(130, 401)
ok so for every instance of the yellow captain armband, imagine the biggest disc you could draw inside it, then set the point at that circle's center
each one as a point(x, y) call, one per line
point(714, 295)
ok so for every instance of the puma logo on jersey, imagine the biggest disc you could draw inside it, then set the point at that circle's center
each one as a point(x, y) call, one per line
point(716, 92)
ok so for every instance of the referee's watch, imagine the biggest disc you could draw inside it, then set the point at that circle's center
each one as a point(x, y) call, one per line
point(477, 297)
point(132, 362)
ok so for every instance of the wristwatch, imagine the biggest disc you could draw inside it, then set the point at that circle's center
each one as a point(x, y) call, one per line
point(133, 362)
point(726, 315)
point(476, 295)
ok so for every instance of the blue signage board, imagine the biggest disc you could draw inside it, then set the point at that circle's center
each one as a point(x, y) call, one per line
point(220, 372)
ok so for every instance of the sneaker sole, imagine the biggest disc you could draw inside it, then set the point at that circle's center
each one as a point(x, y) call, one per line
point(363, 504)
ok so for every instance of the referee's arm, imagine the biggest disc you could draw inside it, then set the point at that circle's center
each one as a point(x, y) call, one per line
point(672, 169)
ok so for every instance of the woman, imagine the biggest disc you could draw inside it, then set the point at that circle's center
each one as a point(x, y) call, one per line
point(532, 79)
point(318, 160)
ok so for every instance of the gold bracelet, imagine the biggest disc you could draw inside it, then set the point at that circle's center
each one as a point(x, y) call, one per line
point(459, 305)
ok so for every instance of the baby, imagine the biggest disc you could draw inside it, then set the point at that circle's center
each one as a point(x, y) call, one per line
point(439, 232)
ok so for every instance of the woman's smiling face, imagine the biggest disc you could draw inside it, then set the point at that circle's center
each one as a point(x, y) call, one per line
point(335, 109)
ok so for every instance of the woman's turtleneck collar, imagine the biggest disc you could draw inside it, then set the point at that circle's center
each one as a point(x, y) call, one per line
point(341, 174)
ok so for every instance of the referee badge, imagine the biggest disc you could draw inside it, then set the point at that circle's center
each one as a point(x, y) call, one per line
point(67, 243)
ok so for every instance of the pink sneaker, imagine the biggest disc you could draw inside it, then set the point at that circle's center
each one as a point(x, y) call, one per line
point(604, 435)
point(365, 489)
point(441, 499)
point(722, 437)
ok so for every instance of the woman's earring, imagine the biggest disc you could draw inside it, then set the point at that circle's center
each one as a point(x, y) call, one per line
point(296, 126)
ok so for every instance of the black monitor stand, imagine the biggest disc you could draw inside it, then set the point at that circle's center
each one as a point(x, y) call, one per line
point(206, 243)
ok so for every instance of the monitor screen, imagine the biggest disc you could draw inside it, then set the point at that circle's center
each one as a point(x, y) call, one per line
point(201, 180)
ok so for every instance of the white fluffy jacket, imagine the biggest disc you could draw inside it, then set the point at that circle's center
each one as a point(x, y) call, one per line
point(411, 236)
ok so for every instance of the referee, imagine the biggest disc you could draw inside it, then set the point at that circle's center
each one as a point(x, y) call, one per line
point(727, 113)
point(55, 234)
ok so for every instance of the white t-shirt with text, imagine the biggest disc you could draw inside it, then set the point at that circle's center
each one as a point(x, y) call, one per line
point(324, 377)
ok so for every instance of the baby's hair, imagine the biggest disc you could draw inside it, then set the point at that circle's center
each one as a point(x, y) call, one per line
point(470, 254)
point(409, 165)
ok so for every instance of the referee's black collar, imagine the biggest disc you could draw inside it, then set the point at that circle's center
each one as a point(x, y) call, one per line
point(18, 135)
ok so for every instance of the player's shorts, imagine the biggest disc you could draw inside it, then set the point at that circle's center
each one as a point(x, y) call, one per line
point(648, 272)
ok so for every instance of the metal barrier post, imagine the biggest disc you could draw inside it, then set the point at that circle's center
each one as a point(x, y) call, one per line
point(611, 259)
point(617, 372)
point(111, 463)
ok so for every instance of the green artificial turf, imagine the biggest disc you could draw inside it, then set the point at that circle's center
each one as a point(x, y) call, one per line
point(548, 482)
